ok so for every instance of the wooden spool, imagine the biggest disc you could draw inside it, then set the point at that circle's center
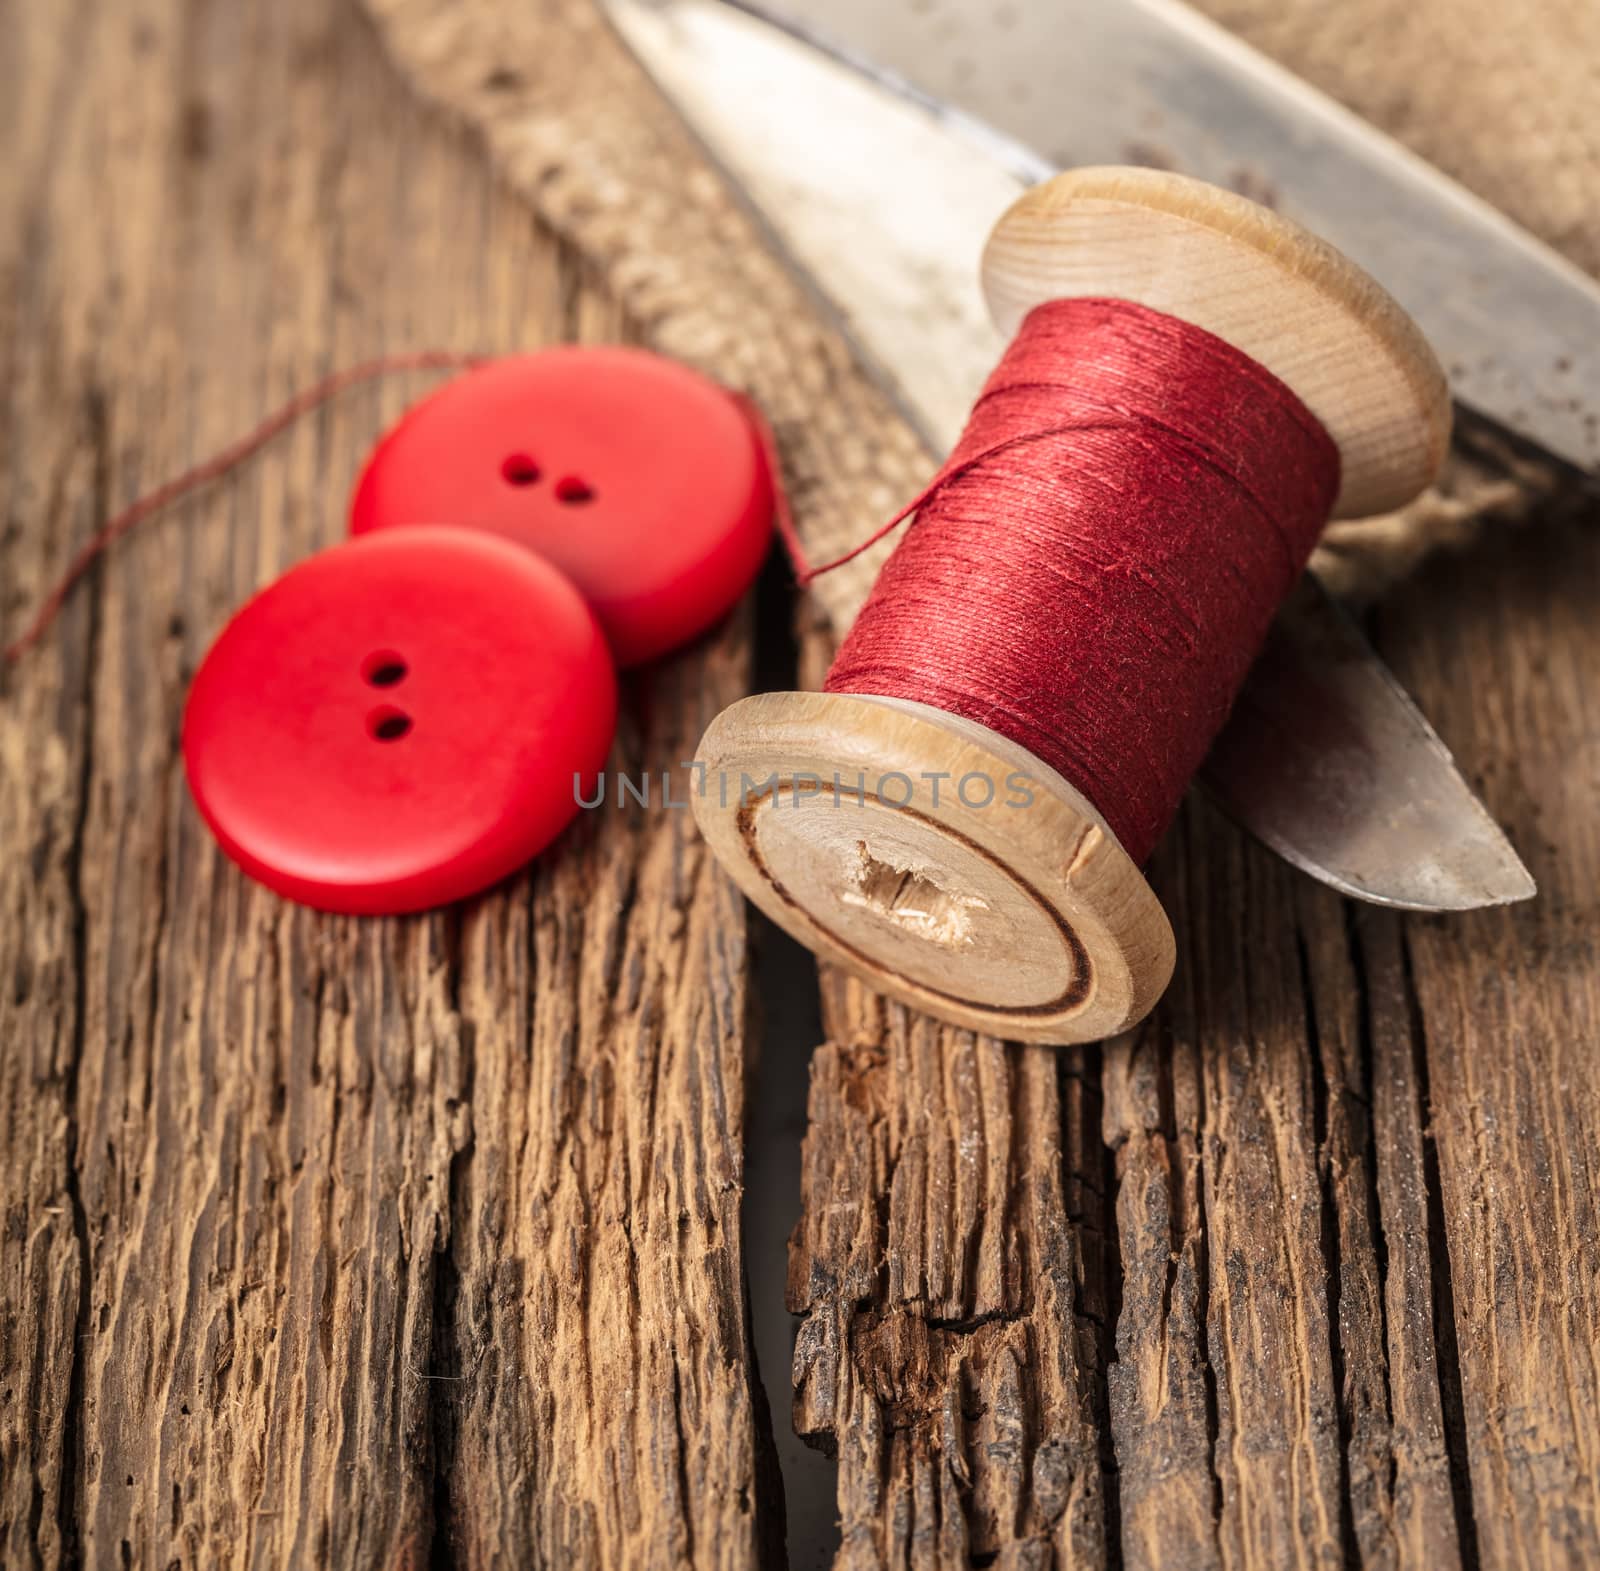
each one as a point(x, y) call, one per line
point(1022, 915)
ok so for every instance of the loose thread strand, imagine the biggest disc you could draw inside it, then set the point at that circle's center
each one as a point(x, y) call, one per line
point(219, 465)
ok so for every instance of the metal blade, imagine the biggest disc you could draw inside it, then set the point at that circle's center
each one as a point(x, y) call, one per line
point(884, 208)
point(877, 208)
point(1327, 761)
point(1153, 82)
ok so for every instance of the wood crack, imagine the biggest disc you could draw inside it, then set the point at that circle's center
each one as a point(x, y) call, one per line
point(1326, 1157)
point(1375, 1228)
point(1194, 1206)
point(72, 1439)
point(1444, 1310)
point(445, 1344)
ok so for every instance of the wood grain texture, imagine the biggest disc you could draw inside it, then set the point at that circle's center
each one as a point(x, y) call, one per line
point(238, 1135)
point(597, 1398)
point(949, 1352)
point(45, 441)
point(1276, 1396)
point(1507, 1013)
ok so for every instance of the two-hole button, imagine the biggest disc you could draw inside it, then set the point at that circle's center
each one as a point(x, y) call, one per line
point(398, 721)
point(642, 480)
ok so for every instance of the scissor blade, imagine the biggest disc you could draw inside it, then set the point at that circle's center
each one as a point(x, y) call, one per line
point(1327, 761)
point(882, 205)
point(1154, 82)
point(877, 210)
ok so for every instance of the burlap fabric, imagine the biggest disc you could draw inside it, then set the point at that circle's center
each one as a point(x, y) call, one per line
point(1502, 97)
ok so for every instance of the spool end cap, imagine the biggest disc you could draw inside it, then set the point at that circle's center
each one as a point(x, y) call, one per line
point(1272, 289)
point(938, 861)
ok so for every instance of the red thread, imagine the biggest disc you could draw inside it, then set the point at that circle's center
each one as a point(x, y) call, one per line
point(215, 467)
point(1095, 567)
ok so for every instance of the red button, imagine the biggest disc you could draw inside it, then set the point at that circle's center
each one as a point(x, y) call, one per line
point(640, 479)
point(396, 722)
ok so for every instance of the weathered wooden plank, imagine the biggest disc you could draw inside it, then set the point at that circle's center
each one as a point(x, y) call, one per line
point(1289, 1413)
point(1500, 1009)
point(260, 1097)
point(1161, 1388)
point(1224, 1402)
point(1431, 1517)
point(1350, 1436)
point(233, 1126)
point(50, 493)
point(1241, 1014)
point(1504, 646)
point(597, 1400)
point(1398, 1499)
point(943, 1355)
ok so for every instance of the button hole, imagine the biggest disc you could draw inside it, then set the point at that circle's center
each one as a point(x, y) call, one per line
point(519, 469)
point(574, 490)
point(387, 724)
point(384, 668)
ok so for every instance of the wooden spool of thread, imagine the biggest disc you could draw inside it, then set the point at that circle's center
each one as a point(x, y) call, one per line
point(1249, 382)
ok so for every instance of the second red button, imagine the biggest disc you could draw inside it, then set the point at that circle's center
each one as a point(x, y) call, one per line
point(643, 481)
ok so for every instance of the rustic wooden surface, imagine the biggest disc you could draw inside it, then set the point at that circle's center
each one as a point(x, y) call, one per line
point(326, 1242)
point(390, 1243)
